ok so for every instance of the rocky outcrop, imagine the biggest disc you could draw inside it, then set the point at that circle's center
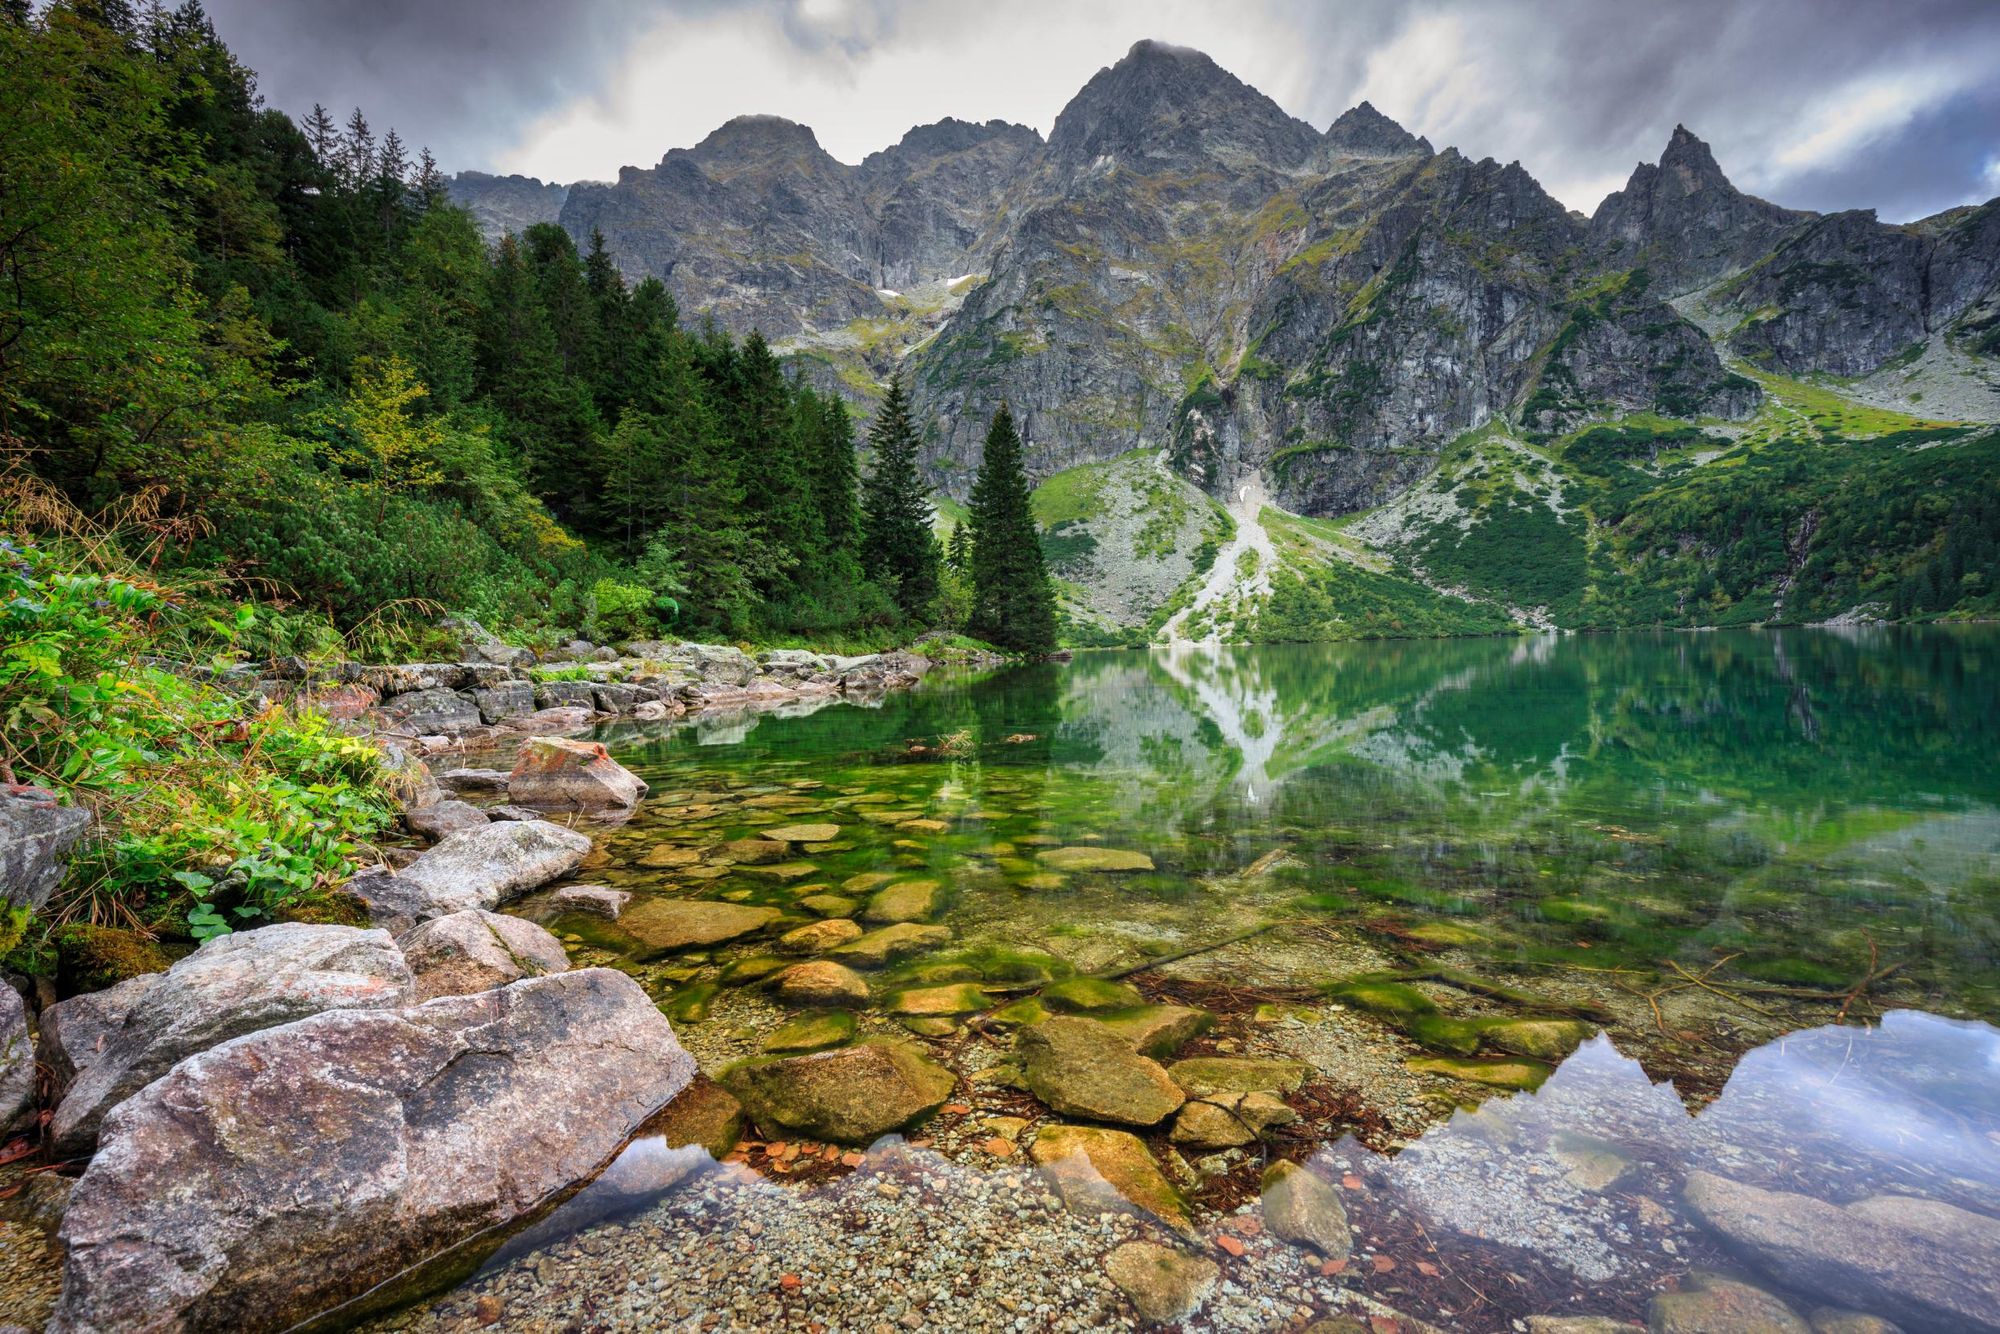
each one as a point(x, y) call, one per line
point(481, 867)
point(504, 204)
point(232, 985)
point(1923, 1263)
point(279, 1176)
point(36, 835)
point(475, 950)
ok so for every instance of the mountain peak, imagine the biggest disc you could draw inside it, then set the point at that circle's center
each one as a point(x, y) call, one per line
point(759, 137)
point(1362, 131)
point(1165, 105)
point(1690, 162)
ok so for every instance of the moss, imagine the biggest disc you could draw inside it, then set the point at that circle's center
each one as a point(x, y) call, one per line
point(91, 958)
point(1392, 1000)
point(690, 1004)
point(331, 907)
point(1795, 972)
point(1091, 993)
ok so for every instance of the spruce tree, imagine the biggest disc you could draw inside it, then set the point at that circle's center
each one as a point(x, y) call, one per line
point(958, 552)
point(898, 549)
point(836, 479)
point(1013, 603)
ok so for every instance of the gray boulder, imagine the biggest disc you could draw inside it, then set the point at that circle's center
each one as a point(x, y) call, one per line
point(481, 867)
point(431, 712)
point(477, 950)
point(600, 899)
point(17, 1059)
point(75, 1032)
point(232, 985)
point(443, 818)
point(35, 837)
point(296, 1171)
point(558, 774)
point(504, 699)
point(1923, 1263)
point(565, 695)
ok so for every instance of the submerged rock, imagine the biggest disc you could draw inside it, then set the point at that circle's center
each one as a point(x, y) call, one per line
point(910, 901)
point(1917, 1261)
point(599, 899)
point(822, 982)
point(276, 1177)
point(1300, 1207)
point(1080, 1068)
point(482, 867)
point(1709, 1304)
point(851, 1095)
point(955, 998)
point(1544, 1039)
point(812, 1032)
point(818, 937)
point(231, 986)
point(703, 1114)
point(1164, 1285)
point(890, 943)
point(1518, 1075)
point(804, 833)
point(477, 950)
point(1096, 1170)
point(666, 925)
point(1088, 994)
point(557, 774)
point(1093, 859)
point(1237, 1074)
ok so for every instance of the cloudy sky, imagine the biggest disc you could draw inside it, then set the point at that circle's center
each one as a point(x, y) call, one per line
point(1826, 104)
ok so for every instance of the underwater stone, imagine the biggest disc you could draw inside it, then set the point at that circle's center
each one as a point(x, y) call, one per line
point(1093, 859)
point(1081, 1068)
point(679, 924)
point(822, 982)
point(891, 943)
point(1097, 1170)
point(849, 1095)
point(818, 937)
point(812, 1032)
point(1300, 1207)
point(1085, 994)
point(909, 901)
point(1164, 1285)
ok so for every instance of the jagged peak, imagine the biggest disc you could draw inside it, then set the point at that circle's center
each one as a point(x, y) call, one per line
point(1362, 131)
point(952, 135)
point(1166, 101)
point(1691, 161)
point(759, 135)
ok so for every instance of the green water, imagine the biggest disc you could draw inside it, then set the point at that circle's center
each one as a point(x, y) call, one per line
point(1807, 805)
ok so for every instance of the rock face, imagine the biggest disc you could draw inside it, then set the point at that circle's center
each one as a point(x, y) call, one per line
point(233, 985)
point(503, 204)
point(476, 950)
point(481, 867)
point(17, 1059)
point(1922, 1263)
point(555, 774)
point(75, 1032)
point(35, 836)
point(277, 1176)
point(851, 1095)
point(1080, 1068)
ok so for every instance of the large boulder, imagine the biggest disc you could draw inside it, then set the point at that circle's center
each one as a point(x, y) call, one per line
point(477, 950)
point(287, 1173)
point(557, 774)
point(481, 867)
point(1923, 1263)
point(431, 712)
point(75, 1032)
point(17, 1059)
point(441, 820)
point(850, 1095)
point(35, 836)
point(231, 986)
point(1081, 1068)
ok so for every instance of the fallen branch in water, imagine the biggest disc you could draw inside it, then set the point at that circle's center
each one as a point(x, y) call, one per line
point(1114, 974)
point(1869, 979)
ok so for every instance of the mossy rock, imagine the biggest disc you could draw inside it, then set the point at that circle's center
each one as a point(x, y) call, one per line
point(1450, 935)
point(327, 907)
point(929, 1026)
point(829, 905)
point(1043, 882)
point(1391, 1000)
point(813, 1031)
point(754, 968)
point(908, 901)
point(954, 998)
point(1544, 1039)
point(91, 958)
point(1157, 1031)
point(1093, 859)
point(1023, 1013)
point(1573, 912)
point(1795, 972)
point(1441, 1032)
point(995, 966)
point(690, 1004)
point(1082, 995)
point(1522, 1075)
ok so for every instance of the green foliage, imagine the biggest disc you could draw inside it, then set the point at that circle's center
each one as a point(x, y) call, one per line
point(898, 549)
point(1013, 603)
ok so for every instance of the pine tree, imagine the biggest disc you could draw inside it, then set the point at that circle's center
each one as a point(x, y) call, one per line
point(358, 149)
point(898, 549)
point(1013, 603)
point(958, 551)
point(428, 181)
point(323, 135)
point(393, 162)
point(836, 479)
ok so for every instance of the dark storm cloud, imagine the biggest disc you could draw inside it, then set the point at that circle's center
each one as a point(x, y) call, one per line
point(1824, 104)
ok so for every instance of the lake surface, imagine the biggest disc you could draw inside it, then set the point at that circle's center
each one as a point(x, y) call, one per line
point(1762, 869)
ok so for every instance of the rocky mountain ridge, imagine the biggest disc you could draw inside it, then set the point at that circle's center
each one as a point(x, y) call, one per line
point(1184, 267)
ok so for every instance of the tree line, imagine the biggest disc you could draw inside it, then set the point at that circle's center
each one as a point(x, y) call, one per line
point(278, 355)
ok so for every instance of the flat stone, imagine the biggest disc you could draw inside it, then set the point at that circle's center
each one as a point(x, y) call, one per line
point(1516, 1074)
point(1918, 1262)
point(804, 833)
point(909, 901)
point(681, 924)
point(1157, 1030)
point(233, 985)
point(783, 871)
point(1165, 1286)
point(477, 950)
point(751, 852)
point(274, 1178)
point(867, 881)
point(753, 968)
point(1082, 995)
point(1092, 859)
point(890, 943)
point(818, 937)
point(602, 900)
point(822, 982)
point(829, 905)
point(1543, 1039)
point(1098, 1170)
point(956, 998)
point(928, 1026)
point(1080, 1068)
point(850, 1095)
point(557, 774)
point(1229, 1120)
point(481, 867)
point(442, 818)
point(671, 856)
point(1237, 1074)
point(1300, 1207)
point(1581, 1324)
point(812, 1032)
point(1708, 1304)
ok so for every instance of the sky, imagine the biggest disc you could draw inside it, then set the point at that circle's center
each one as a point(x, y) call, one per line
point(1822, 104)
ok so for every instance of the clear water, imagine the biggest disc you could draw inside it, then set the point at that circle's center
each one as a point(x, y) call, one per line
point(1765, 865)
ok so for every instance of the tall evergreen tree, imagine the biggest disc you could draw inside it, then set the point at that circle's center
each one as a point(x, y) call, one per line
point(958, 551)
point(358, 149)
point(323, 135)
point(836, 479)
point(1013, 603)
point(898, 549)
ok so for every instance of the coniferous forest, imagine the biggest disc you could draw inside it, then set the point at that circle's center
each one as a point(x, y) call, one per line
point(278, 359)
